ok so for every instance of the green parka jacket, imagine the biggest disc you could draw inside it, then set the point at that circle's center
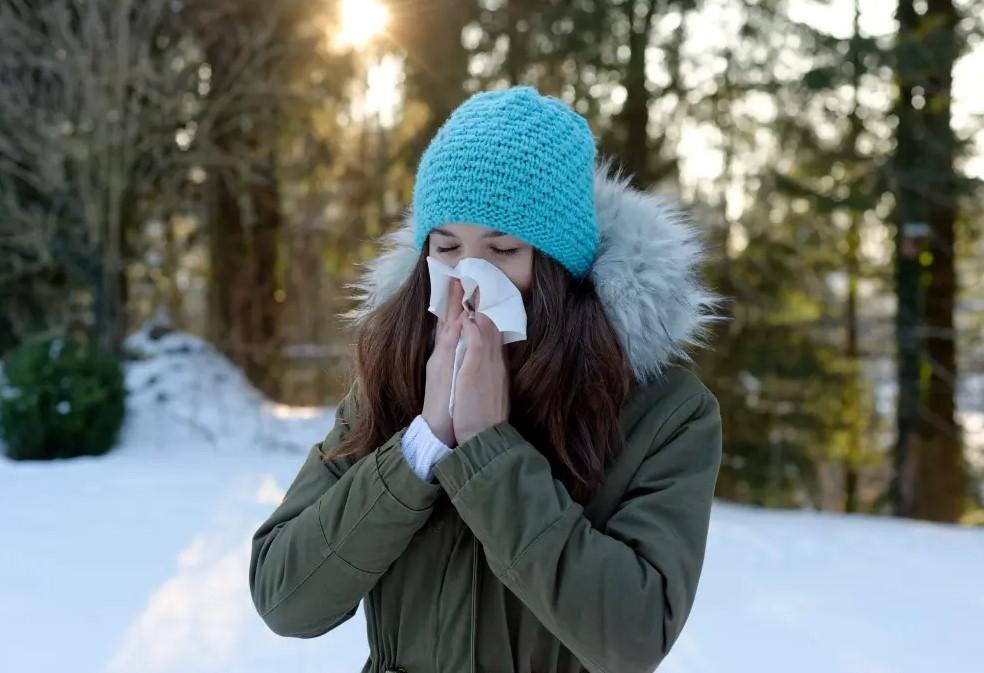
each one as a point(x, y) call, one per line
point(493, 567)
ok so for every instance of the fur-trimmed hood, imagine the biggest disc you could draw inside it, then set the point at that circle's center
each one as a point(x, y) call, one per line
point(645, 273)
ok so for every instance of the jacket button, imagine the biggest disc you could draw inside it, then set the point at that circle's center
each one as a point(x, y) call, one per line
point(396, 669)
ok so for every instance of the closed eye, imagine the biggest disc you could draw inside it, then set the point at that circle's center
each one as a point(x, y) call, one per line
point(504, 253)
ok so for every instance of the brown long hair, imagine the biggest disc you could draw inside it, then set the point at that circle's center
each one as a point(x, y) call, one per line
point(568, 379)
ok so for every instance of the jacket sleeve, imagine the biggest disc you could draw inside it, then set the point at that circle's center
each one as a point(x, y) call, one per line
point(339, 527)
point(422, 448)
point(618, 598)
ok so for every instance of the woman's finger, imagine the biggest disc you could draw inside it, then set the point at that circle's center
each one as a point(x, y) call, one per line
point(471, 332)
point(449, 330)
point(490, 333)
point(455, 294)
point(454, 333)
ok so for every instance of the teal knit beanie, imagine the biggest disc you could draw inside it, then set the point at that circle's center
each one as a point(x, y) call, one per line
point(516, 161)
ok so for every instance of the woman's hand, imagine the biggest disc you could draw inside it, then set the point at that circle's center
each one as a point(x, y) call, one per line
point(481, 392)
point(437, 390)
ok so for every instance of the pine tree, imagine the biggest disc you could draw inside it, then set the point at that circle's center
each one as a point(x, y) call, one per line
point(929, 471)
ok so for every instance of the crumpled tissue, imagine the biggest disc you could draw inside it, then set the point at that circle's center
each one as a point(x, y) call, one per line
point(499, 299)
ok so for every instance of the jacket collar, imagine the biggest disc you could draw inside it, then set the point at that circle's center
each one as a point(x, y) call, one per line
point(645, 273)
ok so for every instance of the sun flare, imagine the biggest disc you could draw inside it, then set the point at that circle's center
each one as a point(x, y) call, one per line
point(361, 20)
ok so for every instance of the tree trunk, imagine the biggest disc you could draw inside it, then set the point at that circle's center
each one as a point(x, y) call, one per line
point(635, 114)
point(852, 459)
point(246, 224)
point(928, 480)
point(245, 312)
point(516, 53)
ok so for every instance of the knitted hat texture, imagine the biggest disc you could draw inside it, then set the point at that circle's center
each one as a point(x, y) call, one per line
point(516, 161)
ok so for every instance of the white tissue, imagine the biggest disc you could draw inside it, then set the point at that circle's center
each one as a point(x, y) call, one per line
point(499, 299)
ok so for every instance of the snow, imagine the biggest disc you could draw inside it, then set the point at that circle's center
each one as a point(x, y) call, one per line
point(136, 561)
point(817, 592)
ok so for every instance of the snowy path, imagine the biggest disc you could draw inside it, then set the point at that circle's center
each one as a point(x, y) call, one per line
point(142, 567)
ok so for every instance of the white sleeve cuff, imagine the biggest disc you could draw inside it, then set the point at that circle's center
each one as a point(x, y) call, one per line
point(422, 449)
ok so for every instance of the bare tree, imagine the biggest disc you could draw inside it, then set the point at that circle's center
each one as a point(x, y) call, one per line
point(108, 106)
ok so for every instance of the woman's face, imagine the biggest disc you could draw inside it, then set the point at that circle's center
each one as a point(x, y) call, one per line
point(457, 240)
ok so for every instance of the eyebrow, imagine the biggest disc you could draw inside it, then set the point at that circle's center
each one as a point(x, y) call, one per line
point(489, 234)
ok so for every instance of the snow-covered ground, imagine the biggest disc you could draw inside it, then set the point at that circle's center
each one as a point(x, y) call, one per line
point(137, 561)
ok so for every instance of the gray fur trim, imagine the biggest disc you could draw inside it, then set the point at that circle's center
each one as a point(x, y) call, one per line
point(645, 273)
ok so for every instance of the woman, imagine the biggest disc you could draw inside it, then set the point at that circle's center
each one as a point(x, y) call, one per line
point(557, 521)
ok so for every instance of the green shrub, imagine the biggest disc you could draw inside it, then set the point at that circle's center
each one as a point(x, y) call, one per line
point(60, 398)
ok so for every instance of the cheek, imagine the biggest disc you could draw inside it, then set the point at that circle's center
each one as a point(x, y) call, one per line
point(520, 271)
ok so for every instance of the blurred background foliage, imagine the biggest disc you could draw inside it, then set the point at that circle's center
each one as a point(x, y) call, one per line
point(225, 166)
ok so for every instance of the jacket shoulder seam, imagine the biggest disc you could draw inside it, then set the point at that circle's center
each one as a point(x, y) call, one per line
point(672, 415)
